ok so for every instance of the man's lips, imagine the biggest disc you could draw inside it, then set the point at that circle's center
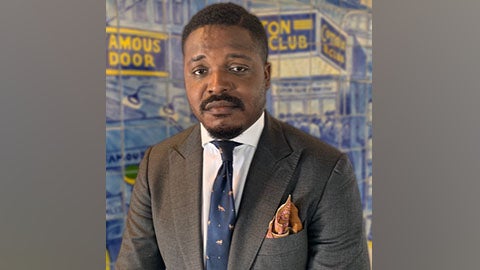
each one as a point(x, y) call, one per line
point(219, 105)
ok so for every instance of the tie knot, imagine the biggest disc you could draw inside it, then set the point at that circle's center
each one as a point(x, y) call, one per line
point(226, 149)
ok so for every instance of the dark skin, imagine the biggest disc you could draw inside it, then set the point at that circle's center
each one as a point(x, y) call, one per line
point(226, 79)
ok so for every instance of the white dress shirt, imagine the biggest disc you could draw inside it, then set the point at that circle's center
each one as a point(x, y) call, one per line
point(212, 160)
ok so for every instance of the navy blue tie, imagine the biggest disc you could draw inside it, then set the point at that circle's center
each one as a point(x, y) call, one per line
point(221, 219)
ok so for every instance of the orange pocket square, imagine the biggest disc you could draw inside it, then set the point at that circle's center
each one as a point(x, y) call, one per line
point(285, 221)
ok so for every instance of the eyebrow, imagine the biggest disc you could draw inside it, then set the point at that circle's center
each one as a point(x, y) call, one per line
point(237, 55)
point(231, 55)
point(197, 58)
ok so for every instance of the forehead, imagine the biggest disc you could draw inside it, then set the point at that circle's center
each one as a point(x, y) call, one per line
point(219, 37)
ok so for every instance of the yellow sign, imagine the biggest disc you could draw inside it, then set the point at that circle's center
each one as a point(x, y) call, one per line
point(136, 52)
point(290, 33)
point(334, 43)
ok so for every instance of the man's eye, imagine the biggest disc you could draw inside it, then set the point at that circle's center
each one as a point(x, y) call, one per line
point(238, 69)
point(199, 71)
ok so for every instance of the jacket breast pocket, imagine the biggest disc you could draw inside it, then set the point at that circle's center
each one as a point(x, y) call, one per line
point(290, 243)
point(289, 252)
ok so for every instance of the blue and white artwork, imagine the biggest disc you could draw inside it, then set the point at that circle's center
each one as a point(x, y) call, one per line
point(321, 55)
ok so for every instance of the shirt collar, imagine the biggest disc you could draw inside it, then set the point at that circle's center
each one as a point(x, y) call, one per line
point(251, 136)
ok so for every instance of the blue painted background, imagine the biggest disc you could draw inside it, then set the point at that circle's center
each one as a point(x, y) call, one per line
point(311, 90)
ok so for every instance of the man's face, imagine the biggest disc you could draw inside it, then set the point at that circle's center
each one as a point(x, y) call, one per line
point(225, 79)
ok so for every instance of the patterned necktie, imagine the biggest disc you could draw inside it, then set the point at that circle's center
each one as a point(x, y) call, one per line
point(222, 210)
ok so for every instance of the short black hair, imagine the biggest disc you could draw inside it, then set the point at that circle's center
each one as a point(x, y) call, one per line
point(231, 15)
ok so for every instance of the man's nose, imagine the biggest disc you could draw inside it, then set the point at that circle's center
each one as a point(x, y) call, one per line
point(219, 82)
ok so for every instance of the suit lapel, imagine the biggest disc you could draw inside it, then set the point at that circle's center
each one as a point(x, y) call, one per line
point(270, 173)
point(186, 185)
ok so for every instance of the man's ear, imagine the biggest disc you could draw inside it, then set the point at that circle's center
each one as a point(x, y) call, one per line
point(267, 74)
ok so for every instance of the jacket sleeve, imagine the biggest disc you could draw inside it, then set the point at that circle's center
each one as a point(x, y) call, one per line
point(139, 249)
point(336, 233)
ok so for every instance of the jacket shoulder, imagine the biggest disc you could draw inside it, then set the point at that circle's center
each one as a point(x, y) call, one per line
point(174, 141)
point(298, 139)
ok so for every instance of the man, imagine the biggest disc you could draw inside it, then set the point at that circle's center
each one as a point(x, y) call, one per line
point(173, 207)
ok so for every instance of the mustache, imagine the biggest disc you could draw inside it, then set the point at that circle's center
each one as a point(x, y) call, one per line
point(222, 97)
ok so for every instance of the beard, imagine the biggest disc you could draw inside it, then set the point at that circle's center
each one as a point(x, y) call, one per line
point(223, 133)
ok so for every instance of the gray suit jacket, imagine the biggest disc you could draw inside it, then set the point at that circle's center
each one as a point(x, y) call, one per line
point(163, 227)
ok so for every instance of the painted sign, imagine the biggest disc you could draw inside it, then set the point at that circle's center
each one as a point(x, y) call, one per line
point(131, 156)
point(132, 52)
point(290, 33)
point(333, 43)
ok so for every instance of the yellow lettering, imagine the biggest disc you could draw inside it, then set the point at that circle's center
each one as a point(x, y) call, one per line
point(285, 27)
point(132, 51)
point(137, 59)
point(333, 54)
point(112, 42)
point(270, 43)
point(276, 28)
point(328, 36)
point(281, 46)
point(292, 42)
point(149, 61)
point(337, 42)
point(113, 58)
point(125, 59)
point(332, 39)
point(147, 44)
point(281, 38)
point(156, 46)
point(125, 43)
point(273, 28)
point(343, 45)
point(324, 35)
point(137, 44)
point(302, 42)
